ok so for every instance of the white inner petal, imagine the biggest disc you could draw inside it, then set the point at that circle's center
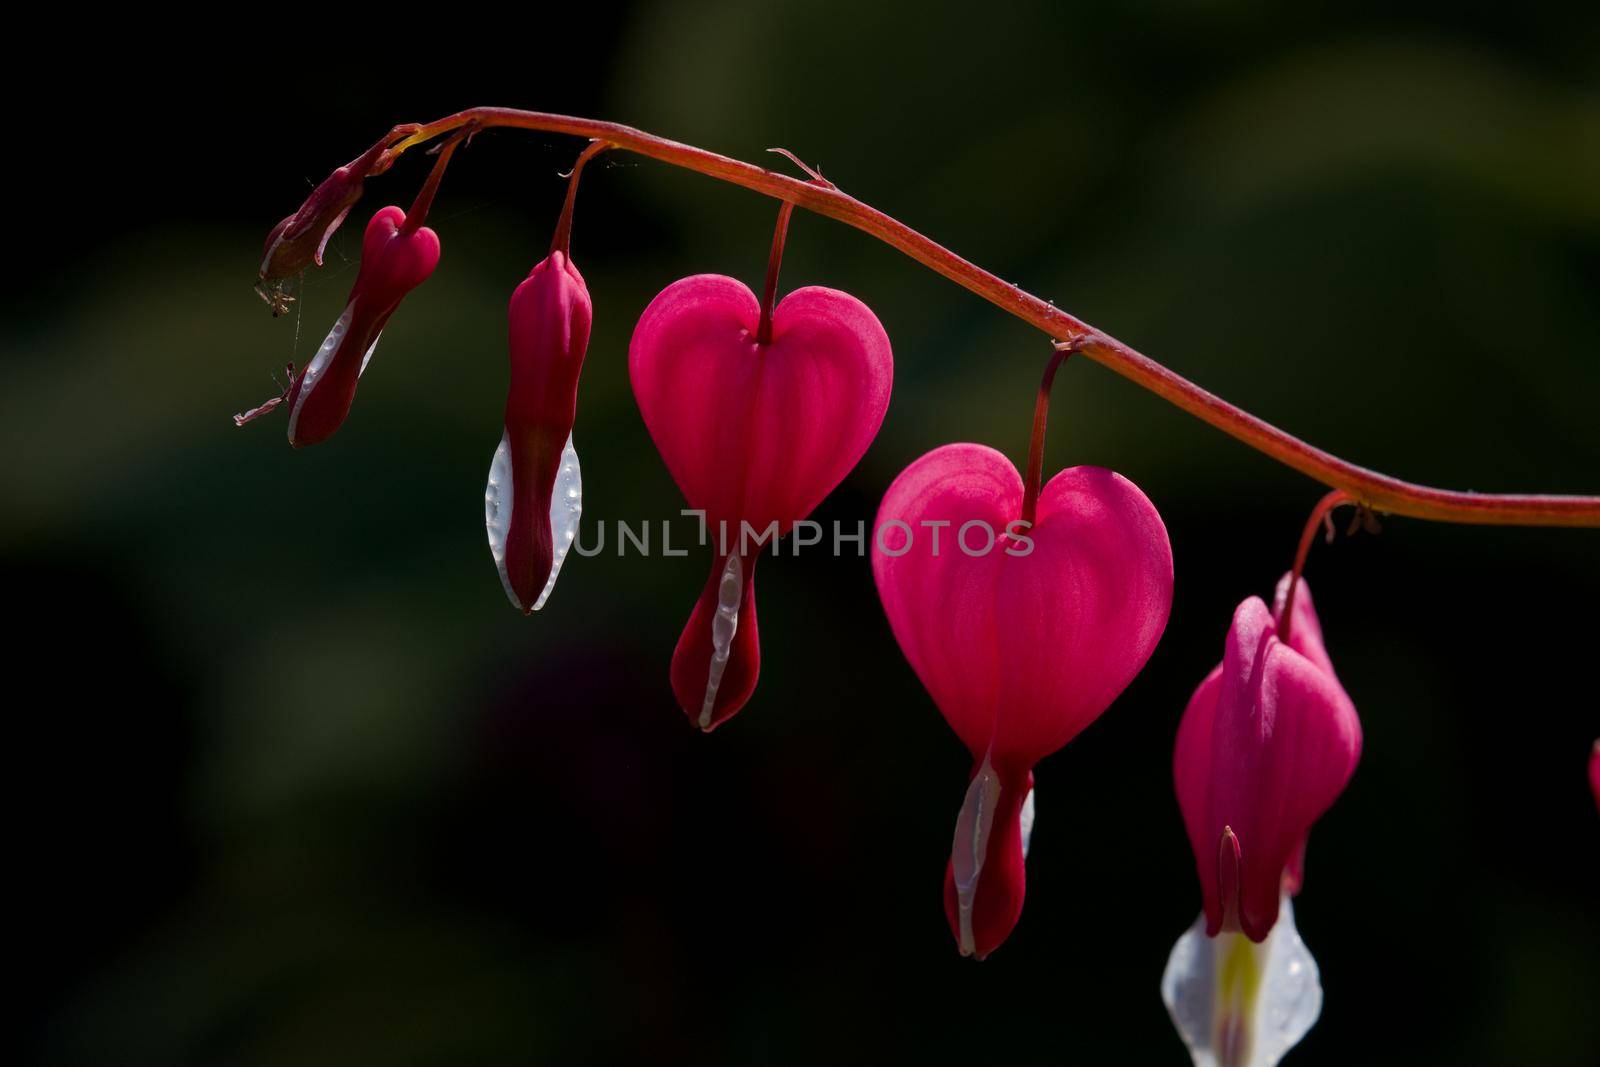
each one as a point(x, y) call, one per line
point(497, 512)
point(566, 507)
point(973, 827)
point(1026, 819)
point(730, 592)
point(1239, 1004)
point(373, 347)
point(319, 364)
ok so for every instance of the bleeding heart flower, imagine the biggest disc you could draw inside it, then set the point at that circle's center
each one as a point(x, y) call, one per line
point(1268, 742)
point(1023, 635)
point(535, 492)
point(396, 257)
point(1266, 745)
point(398, 253)
point(757, 419)
point(534, 498)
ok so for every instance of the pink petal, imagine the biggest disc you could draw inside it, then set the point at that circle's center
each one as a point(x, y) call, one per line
point(755, 436)
point(1022, 642)
point(1266, 745)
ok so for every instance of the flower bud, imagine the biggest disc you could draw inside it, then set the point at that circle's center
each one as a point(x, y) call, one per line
point(394, 261)
point(535, 492)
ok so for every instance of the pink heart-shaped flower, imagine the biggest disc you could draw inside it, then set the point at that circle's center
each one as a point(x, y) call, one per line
point(1268, 742)
point(753, 434)
point(1022, 635)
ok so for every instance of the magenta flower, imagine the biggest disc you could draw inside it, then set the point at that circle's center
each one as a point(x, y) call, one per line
point(534, 497)
point(398, 253)
point(757, 418)
point(1268, 742)
point(1023, 635)
point(396, 257)
point(535, 492)
point(1265, 747)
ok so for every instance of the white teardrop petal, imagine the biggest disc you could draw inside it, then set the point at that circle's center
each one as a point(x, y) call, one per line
point(497, 499)
point(319, 364)
point(1026, 819)
point(566, 508)
point(373, 347)
point(1291, 995)
point(730, 592)
point(1239, 1004)
point(971, 845)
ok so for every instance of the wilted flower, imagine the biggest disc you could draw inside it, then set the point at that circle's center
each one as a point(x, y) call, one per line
point(299, 240)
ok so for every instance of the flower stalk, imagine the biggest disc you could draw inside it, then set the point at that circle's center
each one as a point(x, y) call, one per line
point(1319, 517)
point(1379, 492)
point(1041, 412)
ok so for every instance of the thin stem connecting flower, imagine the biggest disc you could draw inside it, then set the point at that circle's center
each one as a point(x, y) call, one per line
point(1319, 517)
point(1041, 411)
point(780, 234)
point(561, 241)
point(1377, 491)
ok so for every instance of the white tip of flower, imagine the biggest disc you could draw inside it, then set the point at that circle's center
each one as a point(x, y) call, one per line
point(730, 593)
point(1026, 819)
point(373, 347)
point(971, 845)
point(1239, 1004)
point(497, 513)
point(566, 507)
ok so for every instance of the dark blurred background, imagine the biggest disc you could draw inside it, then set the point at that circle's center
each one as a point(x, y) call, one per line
point(293, 784)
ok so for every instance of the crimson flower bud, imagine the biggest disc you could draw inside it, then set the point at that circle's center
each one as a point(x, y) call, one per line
point(535, 491)
point(394, 261)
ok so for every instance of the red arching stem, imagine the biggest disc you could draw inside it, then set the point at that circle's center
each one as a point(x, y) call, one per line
point(419, 207)
point(774, 261)
point(562, 240)
point(1378, 491)
point(1319, 515)
point(1041, 408)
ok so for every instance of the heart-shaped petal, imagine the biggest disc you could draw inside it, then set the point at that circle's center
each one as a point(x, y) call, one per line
point(755, 434)
point(751, 432)
point(1022, 635)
